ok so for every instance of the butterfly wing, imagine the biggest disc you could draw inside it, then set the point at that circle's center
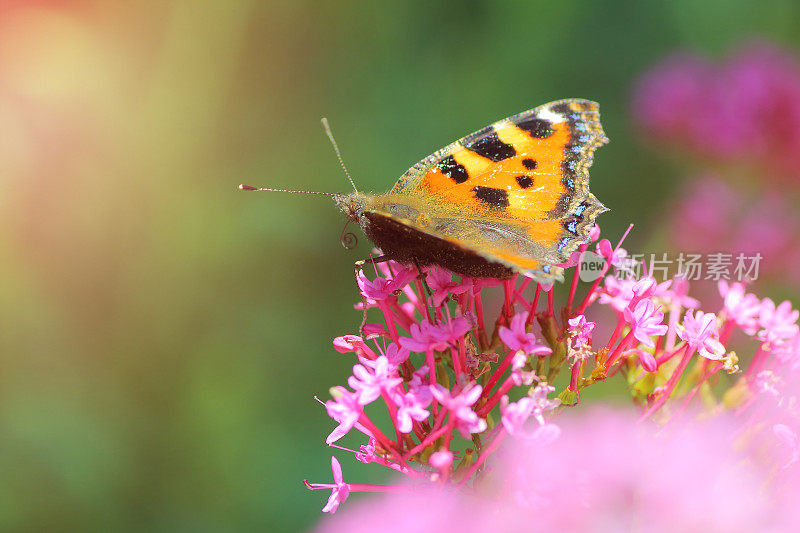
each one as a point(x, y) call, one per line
point(515, 192)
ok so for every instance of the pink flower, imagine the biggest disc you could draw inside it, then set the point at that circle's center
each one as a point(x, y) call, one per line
point(645, 321)
point(580, 330)
point(617, 257)
point(741, 308)
point(648, 287)
point(395, 354)
point(594, 233)
point(373, 377)
point(345, 409)
point(411, 406)
point(778, 324)
point(352, 343)
point(518, 339)
point(699, 330)
point(382, 288)
point(518, 373)
point(366, 453)
point(460, 407)
point(374, 330)
point(426, 336)
point(646, 359)
point(339, 489)
point(442, 284)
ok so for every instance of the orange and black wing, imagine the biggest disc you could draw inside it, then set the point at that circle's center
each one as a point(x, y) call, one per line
point(517, 191)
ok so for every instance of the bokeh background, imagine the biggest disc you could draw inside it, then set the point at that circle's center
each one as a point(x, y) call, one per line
point(162, 335)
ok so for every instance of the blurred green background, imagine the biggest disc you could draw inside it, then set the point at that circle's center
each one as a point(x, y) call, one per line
point(162, 335)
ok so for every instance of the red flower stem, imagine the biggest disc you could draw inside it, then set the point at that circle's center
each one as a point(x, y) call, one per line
point(575, 377)
point(429, 358)
point(455, 356)
point(393, 415)
point(491, 402)
point(439, 420)
point(755, 365)
point(507, 289)
point(482, 457)
point(575, 277)
point(400, 316)
point(550, 307)
point(380, 437)
point(497, 374)
point(708, 373)
point(532, 314)
point(618, 350)
point(603, 273)
point(520, 292)
point(669, 386)
point(423, 299)
point(614, 336)
point(519, 298)
point(727, 330)
point(669, 355)
point(387, 316)
point(429, 440)
point(378, 488)
point(482, 339)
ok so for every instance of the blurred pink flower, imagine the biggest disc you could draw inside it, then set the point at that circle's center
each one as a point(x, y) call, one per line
point(603, 473)
point(778, 323)
point(747, 108)
point(741, 308)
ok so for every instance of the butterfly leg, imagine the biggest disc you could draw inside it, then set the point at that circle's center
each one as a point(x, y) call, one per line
point(428, 294)
point(374, 260)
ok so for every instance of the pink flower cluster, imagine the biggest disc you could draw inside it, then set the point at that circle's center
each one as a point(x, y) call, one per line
point(459, 366)
point(744, 112)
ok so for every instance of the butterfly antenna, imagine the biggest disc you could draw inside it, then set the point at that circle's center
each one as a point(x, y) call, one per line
point(243, 187)
point(336, 149)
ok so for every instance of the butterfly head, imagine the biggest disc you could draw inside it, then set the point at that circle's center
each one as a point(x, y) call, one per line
point(353, 205)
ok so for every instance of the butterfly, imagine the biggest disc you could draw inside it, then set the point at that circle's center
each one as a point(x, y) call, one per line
point(511, 198)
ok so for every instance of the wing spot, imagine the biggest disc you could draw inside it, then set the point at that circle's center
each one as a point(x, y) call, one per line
point(524, 181)
point(536, 127)
point(491, 196)
point(453, 170)
point(529, 163)
point(488, 145)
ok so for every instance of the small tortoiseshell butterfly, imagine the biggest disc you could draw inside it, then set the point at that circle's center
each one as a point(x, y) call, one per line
point(510, 198)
